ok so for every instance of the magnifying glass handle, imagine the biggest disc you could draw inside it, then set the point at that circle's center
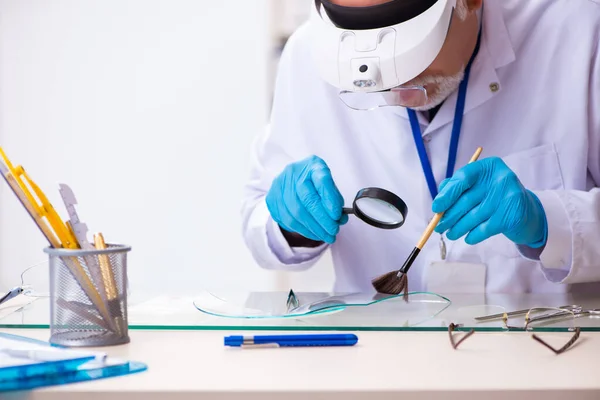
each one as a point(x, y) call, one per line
point(346, 210)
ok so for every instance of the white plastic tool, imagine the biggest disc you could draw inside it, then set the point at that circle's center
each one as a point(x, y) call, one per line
point(80, 229)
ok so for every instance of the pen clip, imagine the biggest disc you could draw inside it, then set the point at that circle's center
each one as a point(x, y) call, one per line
point(259, 346)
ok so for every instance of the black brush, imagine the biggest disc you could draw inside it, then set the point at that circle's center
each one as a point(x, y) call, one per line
point(396, 282)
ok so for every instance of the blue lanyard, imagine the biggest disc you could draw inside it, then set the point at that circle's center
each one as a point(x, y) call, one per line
point(458, 117)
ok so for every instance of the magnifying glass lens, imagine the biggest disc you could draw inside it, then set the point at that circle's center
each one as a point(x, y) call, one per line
point(379, 208)
point(380, 211)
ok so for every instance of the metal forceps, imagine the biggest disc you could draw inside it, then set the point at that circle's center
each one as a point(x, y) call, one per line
point(573, 310)
point(568, 311)
point(522, 312)
point(292, 301)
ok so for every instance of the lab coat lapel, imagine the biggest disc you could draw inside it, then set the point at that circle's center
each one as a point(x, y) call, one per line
point(483, 83)
point(495, 52)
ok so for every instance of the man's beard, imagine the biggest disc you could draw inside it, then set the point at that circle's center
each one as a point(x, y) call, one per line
point(445, 86)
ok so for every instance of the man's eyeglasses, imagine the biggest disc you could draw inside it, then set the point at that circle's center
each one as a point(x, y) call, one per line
point(536, 315)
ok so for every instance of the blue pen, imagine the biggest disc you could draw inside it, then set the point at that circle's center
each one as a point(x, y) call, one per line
point(291, 340)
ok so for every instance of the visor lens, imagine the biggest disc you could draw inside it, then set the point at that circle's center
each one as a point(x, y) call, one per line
point(409, 97)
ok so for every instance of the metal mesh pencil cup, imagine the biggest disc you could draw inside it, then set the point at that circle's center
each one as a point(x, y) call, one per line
point(88, 296)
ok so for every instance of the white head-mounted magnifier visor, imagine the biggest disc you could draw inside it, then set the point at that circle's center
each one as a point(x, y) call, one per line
point(369, 66)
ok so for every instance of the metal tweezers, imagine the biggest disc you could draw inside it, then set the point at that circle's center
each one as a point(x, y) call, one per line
point(11, 294)
point(292, 301)
point(519, 312)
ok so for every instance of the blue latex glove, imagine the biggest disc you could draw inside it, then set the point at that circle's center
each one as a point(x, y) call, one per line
point(485, 198)
point(304, 199)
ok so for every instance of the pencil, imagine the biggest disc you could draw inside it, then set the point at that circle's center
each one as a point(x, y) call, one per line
point(110, 284)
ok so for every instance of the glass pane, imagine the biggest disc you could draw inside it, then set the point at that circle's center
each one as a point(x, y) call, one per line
point(414, 309)
point(340, 311)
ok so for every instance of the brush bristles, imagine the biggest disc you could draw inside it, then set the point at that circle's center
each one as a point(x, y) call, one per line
point(391, 283)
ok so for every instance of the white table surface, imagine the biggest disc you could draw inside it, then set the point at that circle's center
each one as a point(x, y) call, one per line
point(383, 365)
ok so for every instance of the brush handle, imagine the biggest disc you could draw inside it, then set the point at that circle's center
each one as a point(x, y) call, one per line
point(429, 230)
point(409, 261)
point(436, 219)
point(476, 155)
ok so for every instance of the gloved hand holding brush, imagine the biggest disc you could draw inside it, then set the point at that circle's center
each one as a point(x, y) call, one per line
point(486, 198)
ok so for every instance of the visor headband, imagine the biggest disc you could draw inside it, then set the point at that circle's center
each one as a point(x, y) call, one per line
point(371, 17)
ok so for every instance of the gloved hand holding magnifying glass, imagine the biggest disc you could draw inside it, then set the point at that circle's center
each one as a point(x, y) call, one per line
point(304, 199)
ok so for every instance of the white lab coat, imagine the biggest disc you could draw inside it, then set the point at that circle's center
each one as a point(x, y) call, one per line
point(544, 121)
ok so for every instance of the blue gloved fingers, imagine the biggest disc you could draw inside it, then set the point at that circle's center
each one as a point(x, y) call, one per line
point(304, 216)
point(463, 205)
point(537, 213)
point(280, 214)
point(476, 213)
point(304, 199)
point(443, 184)
point(299, 199)
point(296, 227)
point(312, 203)
point(485, 230)
point(462, 181)
point(344, 219)
point(331, 197)
point(469, 221)
point(289, 212)
point(507, 208)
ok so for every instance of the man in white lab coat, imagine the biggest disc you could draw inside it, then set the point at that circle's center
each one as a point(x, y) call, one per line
point(524, 218)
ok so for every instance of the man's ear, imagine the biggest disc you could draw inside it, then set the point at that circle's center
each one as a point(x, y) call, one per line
point(474, 5)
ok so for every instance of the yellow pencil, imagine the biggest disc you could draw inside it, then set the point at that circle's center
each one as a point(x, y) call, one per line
point(56, 231)
point(110, 284)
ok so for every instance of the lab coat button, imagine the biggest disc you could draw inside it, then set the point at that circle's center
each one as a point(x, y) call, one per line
point(494, 87)
point(427, 138)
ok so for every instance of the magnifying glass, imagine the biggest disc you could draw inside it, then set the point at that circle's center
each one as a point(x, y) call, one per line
point(379, 208)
